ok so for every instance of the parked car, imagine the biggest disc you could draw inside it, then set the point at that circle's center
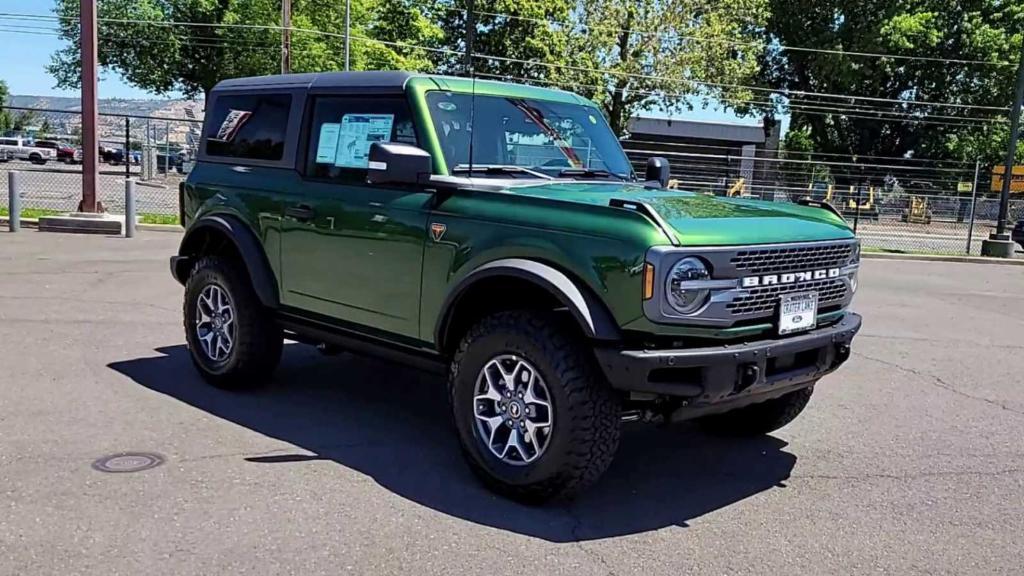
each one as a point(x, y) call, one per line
point(117, 157)
point(560, 293)
point(22, 149)
point(106, 153)
point(65, 152)
point(1018, 233)
point(169, 162)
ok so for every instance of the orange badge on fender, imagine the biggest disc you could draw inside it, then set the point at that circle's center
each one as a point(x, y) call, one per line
point(437, 231)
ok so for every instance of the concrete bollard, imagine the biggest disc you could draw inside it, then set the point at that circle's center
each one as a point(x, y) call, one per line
point(14, 200)
point(129, 208)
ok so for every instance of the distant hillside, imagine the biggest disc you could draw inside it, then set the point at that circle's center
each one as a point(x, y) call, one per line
point(112, 127)
point(169, 108)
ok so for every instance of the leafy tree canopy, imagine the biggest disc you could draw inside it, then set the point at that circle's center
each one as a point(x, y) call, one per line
point(149, 43)
point(5, 115)
point(666, 54)
point(983, 30)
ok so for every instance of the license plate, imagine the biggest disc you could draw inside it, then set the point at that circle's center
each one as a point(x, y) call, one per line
point(798, 312)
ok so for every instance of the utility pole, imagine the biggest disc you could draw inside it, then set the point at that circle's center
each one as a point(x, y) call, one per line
point(90, 123)
point(999, 243)
point(348, 29)
point(470, 34)
point(286, 36)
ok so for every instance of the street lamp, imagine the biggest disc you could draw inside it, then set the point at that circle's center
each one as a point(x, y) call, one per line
point(999, 244)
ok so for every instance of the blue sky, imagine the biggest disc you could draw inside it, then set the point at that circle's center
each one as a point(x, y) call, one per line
point(25, 72)
point(24, 67)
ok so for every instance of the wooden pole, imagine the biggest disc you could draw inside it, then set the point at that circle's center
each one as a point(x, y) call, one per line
point(286, 36)
point(90, 123)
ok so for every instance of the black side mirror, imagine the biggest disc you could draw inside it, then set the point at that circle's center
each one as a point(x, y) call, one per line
point(657, 171)
point(394, 163)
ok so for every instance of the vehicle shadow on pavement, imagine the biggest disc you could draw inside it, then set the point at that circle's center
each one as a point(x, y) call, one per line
point(393, 425)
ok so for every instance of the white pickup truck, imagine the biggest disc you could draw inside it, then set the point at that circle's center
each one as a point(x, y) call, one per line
point(21, 149)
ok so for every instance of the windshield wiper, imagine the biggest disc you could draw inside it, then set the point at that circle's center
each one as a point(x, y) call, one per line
point(498, 169)
point(589, 173)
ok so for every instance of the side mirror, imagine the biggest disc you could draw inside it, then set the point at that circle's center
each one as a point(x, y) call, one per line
point(395, 163)
point(657, 171)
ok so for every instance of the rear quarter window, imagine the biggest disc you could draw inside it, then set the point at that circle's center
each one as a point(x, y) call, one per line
point(250, 126)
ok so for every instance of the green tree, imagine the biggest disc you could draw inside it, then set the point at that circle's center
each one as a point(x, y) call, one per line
point(514, 39)
point(24, 120)
point(983, 30)
point(666, 54)
point(5, 115)
point(188, 46)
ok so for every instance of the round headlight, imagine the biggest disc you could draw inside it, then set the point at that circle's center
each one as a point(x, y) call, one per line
point(686, 299)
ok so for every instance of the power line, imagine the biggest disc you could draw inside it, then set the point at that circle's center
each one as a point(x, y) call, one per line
point(831, 154)
point(969, 121)
point(722, 40)
point(783, 91)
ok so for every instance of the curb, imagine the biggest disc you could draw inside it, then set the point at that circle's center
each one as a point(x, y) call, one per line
point(159, 227)
point(942, 258)
point(34, 223)
point(25, 222)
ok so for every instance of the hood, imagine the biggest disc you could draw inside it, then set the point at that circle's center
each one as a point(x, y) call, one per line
point(702, 220)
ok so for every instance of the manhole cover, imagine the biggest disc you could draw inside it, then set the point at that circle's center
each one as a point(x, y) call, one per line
point(128, 462)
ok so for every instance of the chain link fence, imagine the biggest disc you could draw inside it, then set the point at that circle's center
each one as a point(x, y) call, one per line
point(894, 204)
point(155, 151)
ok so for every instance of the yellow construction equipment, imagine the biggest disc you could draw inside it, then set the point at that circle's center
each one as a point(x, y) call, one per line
point(918, 212)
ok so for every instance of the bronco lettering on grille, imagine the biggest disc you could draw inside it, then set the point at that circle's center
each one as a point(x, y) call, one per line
point(790, 278)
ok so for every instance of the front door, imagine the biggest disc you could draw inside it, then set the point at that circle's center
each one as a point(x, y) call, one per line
point(352, 251)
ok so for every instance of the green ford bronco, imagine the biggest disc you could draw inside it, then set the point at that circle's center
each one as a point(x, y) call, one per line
point(498, 233)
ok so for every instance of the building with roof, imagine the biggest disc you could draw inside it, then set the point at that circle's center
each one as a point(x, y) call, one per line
point(707, 156)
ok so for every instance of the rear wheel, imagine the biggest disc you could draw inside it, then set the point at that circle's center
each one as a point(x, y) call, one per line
point(233, 339)
point(535, 416)
point(758, 419)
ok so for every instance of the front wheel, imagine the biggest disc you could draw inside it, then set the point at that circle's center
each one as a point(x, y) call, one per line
point(759, 419)
point(535, 416)
point(233, 339)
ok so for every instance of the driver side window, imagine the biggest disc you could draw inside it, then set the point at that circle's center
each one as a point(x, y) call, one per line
point(343, 128)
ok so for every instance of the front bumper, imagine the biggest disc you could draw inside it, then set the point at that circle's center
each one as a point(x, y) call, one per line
point(734, 374)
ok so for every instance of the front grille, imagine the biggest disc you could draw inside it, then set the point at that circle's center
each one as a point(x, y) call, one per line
point(763, 300)
point(792, 259)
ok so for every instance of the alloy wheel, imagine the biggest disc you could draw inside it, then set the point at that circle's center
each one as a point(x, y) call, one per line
point(215, 323)
point(513, 410)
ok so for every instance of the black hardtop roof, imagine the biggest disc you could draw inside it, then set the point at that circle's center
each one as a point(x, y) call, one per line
point(382, 80)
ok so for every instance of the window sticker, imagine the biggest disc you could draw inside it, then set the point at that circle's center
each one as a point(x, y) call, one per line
point(232, 124)
point(327, 149)
point(357, 132)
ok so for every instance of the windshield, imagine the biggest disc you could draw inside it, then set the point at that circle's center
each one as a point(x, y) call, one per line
point(525, 138)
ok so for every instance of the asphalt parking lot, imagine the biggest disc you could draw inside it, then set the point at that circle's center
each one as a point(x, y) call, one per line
point(908, 461)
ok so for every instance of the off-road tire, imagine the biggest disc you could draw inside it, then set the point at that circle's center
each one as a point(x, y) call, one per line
point(586, 413)
point(258, 341)
point(759, 419)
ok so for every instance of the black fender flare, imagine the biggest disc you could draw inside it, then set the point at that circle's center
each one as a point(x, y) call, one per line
point(245, 242)
point(590, 313)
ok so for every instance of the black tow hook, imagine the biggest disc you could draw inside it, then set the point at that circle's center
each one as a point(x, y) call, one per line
point(842, 353)
point(749, 375)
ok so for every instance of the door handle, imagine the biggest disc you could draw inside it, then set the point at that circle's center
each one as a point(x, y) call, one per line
point(300, 212)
